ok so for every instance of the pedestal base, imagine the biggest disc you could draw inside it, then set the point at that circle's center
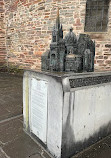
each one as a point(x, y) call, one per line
point(67, 112)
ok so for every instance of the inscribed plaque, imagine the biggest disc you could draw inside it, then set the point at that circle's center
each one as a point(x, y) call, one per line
point(39, 108)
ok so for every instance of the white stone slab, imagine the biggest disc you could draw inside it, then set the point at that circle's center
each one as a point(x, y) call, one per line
point(93, 105)
point(38, 108)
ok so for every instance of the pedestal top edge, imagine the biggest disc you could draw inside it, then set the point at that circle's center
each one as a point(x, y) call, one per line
point(71, 74)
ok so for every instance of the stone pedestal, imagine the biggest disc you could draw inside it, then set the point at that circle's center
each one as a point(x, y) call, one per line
point(66, 112)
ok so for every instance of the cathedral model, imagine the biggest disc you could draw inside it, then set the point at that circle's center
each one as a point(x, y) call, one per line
point(68, 54)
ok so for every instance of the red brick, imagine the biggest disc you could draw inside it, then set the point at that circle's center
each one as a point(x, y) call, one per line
point(108, 61)
point(105, 57)
point(100, 61)
point(99, 57)
point(78, 22)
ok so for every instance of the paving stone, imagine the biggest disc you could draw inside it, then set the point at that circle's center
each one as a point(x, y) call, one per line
point(35, 156)
point(15, 142)
point(10, 95)
point(101, 149)
point(2, 154)
point(46, 155)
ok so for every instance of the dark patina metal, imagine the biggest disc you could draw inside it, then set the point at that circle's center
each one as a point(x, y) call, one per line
point(89, 81)
point(69, 54)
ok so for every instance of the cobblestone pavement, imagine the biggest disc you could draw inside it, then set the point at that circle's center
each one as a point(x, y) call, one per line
point(14, 142)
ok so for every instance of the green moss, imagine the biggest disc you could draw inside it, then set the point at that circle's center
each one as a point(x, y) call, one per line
point(12, 69)
point(15, 69)
point(3, 68)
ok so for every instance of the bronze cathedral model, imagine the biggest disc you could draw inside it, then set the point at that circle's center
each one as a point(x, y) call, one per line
point(68, 54)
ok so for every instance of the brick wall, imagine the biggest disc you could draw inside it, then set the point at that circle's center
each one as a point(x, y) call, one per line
point(29, 24)
point(2, 35)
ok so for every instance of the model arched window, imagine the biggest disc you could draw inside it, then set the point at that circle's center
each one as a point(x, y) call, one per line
point(96, 15)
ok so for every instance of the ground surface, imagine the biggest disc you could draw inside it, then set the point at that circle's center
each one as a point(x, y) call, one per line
point(14, 143)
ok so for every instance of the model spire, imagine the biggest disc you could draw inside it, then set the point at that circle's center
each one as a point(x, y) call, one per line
point(58, 19)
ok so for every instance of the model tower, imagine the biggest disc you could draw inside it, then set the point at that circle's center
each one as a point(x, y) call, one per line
point(57, 47)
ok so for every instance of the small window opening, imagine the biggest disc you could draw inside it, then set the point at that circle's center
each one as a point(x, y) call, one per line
point(96, 19)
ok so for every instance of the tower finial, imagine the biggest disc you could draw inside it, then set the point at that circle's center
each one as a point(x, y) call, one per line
point(58, 19)
point(58, 12)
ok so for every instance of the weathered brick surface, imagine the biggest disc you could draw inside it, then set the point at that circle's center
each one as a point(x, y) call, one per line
point(2, 34)
point(29, 24)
